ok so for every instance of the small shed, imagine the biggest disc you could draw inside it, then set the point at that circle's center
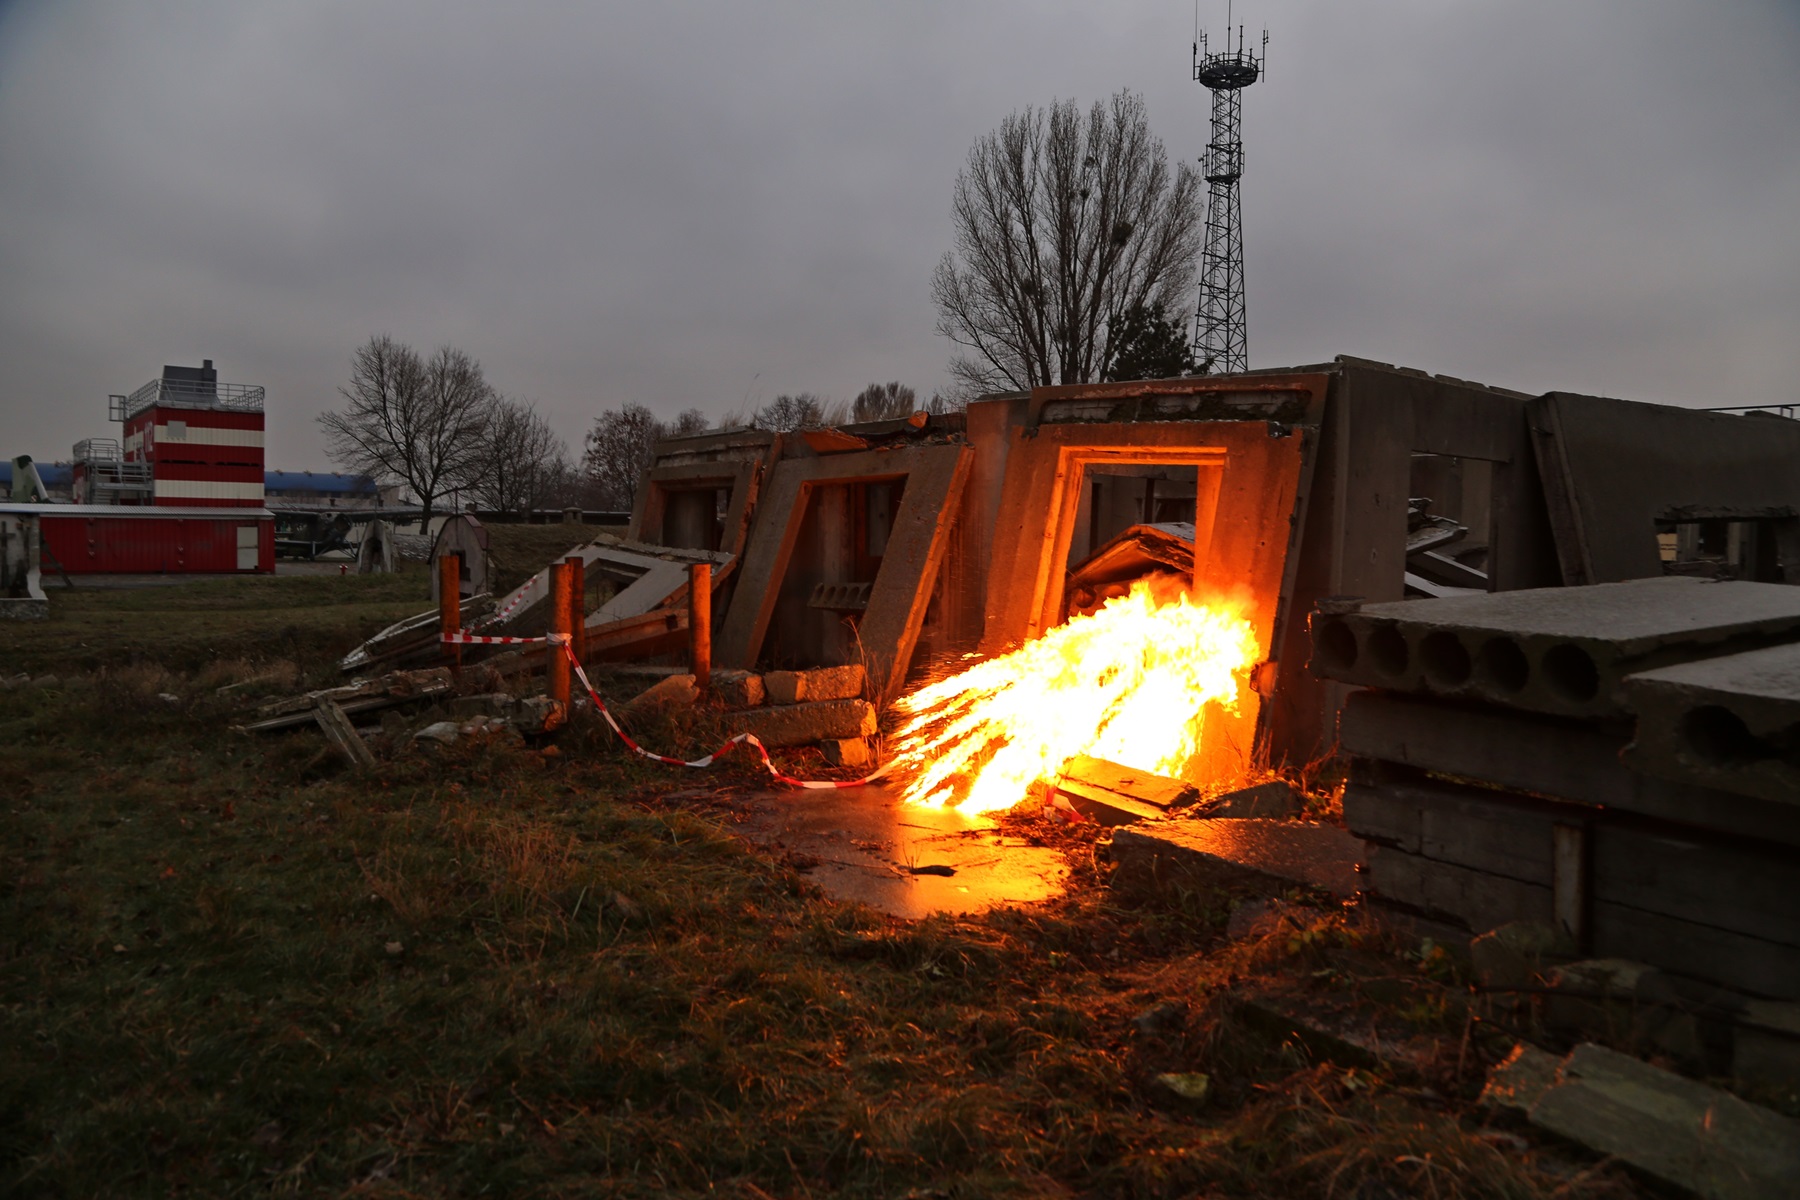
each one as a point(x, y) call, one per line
point(464, 535)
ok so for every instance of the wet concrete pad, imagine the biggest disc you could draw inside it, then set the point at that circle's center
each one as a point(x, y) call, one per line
point(863, 844)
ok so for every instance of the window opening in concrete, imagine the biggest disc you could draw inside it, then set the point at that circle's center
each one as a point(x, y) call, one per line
point(1721, 548)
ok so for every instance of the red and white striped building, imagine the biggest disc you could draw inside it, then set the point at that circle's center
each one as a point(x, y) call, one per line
point(152, 501)
point(202, 440)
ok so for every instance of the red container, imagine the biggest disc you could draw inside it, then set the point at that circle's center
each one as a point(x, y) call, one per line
point(89, 539)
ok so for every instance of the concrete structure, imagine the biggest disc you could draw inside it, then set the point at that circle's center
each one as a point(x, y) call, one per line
point(1554, 650)
point(877, 516)
point(1615, 473)
point(1731, 723)
point(700, 490)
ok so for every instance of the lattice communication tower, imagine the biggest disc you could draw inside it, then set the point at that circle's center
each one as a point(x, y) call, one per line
point(1219, 344)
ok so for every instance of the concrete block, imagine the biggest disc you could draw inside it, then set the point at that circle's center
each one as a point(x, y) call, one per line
point(485, 704)
point(1517, 953)
point(1164, 857)
point(1681, 1132)
point(1552, 650)
point(1731, 723)
point(739, 689)
point(804, 724)
point(847, 752)
point(1479, 899)
point(1520, 1079)
point(821, 683)
point(1575, 761)
point(1117, 795)
point(1766, 1044)
point(668, 695)
point(1275, 800)
point(1624, 1001)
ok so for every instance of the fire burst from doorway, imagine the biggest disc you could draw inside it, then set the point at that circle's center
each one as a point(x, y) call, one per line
point(1129, 684)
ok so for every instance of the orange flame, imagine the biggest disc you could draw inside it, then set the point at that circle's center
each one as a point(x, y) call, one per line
point(1130, 684)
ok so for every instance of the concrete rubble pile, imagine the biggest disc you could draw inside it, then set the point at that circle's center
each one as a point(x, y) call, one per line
point(1607, 761)
point(824, 706)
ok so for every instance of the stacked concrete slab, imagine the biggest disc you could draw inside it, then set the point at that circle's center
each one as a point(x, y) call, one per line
point(1496, 776)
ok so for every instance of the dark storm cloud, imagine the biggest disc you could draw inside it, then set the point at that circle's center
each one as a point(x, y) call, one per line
point(699, 205)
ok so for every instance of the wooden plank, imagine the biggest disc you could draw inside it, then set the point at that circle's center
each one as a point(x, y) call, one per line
point(340, 733)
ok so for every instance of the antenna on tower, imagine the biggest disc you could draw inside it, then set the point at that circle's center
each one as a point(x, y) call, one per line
point(1219, 343)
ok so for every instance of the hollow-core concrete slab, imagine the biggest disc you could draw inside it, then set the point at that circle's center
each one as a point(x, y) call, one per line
point(1731, 723)
point(1554, 650)
point(864, 844)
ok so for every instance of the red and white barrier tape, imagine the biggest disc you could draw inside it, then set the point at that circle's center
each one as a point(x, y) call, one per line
point(495, 618)
point(464, 638)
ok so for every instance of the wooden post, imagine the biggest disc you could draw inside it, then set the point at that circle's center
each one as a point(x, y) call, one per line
point(577, 572)
point(700, 624)
point(560, 621)
point(450, 603)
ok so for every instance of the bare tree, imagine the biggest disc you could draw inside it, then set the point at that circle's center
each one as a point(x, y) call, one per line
point(690, 421)
point(1062, 226)
point(420, 422)
point(525, 463)
point(618, 451)
point(883, 402)
point(784, 414)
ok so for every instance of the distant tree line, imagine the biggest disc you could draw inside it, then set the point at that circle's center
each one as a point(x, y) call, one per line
point(438, 428)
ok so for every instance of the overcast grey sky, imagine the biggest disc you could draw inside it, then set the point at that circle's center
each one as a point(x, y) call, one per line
point(703, 205)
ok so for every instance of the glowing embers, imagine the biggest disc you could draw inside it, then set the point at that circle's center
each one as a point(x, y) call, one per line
point(1129, 683)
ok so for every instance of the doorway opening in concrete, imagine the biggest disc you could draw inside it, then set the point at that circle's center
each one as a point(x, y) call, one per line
point(842, 541)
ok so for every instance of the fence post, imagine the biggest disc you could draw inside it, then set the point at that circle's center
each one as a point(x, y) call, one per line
point(560, 621)
point(577, 571)
point(450, 604)
point(700, 625)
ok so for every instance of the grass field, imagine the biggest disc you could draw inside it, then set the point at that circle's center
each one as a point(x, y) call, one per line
point(229, 966)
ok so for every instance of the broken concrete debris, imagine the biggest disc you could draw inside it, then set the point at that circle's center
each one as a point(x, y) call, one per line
point(1274, 800)
point(1164, 858)
point(359, 696)
point(1698, 1138)
point(1114, 795)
